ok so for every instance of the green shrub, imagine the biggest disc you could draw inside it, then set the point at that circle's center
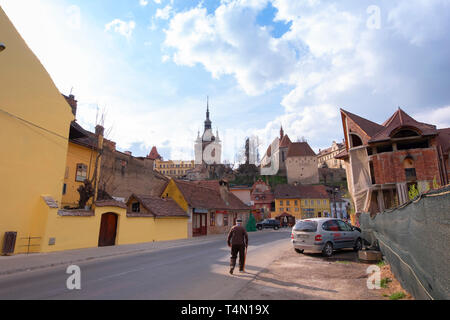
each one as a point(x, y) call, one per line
point(397, 296)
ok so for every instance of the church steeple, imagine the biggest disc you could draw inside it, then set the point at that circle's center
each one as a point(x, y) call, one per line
point(207, 121)
point(281, 133)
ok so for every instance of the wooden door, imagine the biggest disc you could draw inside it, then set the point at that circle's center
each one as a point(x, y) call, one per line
point(204, 224)
point(108, 230)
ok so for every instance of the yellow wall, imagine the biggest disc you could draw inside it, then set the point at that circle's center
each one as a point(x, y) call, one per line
point(83, 232)
point(169, 167)
point(173, 192)
point(135, 230)
point(77, 154)
point(295, 209)
point(33, 160)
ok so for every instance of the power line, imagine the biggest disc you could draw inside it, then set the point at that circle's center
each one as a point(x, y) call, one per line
point(34, 125)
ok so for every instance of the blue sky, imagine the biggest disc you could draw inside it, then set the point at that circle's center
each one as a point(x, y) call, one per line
point(149, 65)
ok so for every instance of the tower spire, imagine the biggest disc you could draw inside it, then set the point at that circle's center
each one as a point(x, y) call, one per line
point(207, 121)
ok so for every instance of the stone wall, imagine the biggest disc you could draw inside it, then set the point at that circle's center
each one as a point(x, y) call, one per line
point(122, 174)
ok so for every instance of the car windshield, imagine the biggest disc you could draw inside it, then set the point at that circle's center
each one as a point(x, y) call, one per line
point(306, 226)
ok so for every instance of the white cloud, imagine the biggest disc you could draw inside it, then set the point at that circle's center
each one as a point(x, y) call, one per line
point(420, 20)
point(143, 2)
point(164, 13)
point(439, 117)
point(121, 27)
point(230, 43)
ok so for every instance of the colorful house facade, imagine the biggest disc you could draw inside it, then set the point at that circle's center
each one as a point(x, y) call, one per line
point(211, 210)
point(302, 201)
point(263, 201)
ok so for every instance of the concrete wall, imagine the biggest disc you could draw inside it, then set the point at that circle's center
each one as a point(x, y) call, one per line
point(34, 122)
point(414, 239)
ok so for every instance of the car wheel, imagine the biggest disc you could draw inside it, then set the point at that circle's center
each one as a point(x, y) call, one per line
point(328, 249)
point(275, 228)
point(298, 250)
point(358, 245)
point(259, 228)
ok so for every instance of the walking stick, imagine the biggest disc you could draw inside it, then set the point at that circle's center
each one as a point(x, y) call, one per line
point(245, 258)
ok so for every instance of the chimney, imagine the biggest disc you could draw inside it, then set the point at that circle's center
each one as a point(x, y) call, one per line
point(72, 103)
point(99, 130)
point(224, 190)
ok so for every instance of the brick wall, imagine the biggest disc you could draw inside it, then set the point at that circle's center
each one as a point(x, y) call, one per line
point(388, 166)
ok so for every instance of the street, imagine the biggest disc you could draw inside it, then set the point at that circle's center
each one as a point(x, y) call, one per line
point(197, 271)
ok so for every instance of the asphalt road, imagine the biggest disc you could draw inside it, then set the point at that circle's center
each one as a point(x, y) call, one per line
point(198, 271)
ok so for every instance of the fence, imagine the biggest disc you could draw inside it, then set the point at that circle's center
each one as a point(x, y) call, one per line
point(415, 239)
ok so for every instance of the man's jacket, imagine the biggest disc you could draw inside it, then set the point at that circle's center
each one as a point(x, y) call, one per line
point(237, 236)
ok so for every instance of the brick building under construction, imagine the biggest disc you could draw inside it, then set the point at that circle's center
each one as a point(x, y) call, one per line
point(384, 161)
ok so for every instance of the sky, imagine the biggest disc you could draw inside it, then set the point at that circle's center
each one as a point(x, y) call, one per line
point(149, 65)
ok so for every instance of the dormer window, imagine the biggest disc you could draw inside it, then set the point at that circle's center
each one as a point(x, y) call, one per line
point(136, 207)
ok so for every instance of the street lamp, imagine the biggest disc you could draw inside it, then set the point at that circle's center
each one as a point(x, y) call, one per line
point(2, 46)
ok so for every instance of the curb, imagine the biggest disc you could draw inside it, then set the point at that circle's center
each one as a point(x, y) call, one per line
point(98, 257)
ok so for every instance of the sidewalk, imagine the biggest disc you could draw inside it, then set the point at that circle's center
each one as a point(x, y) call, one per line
point(24, 262)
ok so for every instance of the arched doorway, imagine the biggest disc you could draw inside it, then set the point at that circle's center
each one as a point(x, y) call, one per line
point(108, 230)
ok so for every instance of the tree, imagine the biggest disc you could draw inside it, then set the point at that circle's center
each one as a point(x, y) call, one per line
point(251, 223)
point(435, 184)
point(413, 192)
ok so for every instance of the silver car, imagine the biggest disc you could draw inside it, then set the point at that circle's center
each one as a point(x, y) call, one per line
point(325, 235)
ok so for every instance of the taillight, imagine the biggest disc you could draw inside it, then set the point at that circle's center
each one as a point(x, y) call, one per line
point(318, 237)
point(292, 236)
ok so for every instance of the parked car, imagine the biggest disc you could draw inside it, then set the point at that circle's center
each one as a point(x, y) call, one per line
point(268, 223)
point(325, 235)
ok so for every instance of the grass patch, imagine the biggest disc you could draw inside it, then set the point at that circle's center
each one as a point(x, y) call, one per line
point(384, 282)
point(397, 296)
point(381, 263)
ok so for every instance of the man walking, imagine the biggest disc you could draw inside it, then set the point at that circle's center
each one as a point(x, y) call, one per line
point(238, 241)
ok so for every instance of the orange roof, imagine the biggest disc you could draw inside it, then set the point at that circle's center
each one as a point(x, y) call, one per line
point(369, 127)
point(401, 119)
point(300, 149)
point(285, 142)
point(153, 155)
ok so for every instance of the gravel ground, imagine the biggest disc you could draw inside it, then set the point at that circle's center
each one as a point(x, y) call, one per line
point(310, 276)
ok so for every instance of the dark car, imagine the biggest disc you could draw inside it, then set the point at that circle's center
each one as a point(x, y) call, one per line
point(268, 223)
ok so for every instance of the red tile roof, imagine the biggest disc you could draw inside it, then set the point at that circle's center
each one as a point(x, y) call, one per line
point(444, 139)
point(212, 184)
point(299, 149)
point(159, 207)
point(199, 196)
point(369, 127)
point(398, 120)
point(153, 155)
point(110, 203)
point(287, 191)
point(285, 142)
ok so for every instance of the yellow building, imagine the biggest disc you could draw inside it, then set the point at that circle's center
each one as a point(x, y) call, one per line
point(82, 160)
point(212, 208)
point(173, 168)
point(302, 201)
point(34, 130)
point(46, 155)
